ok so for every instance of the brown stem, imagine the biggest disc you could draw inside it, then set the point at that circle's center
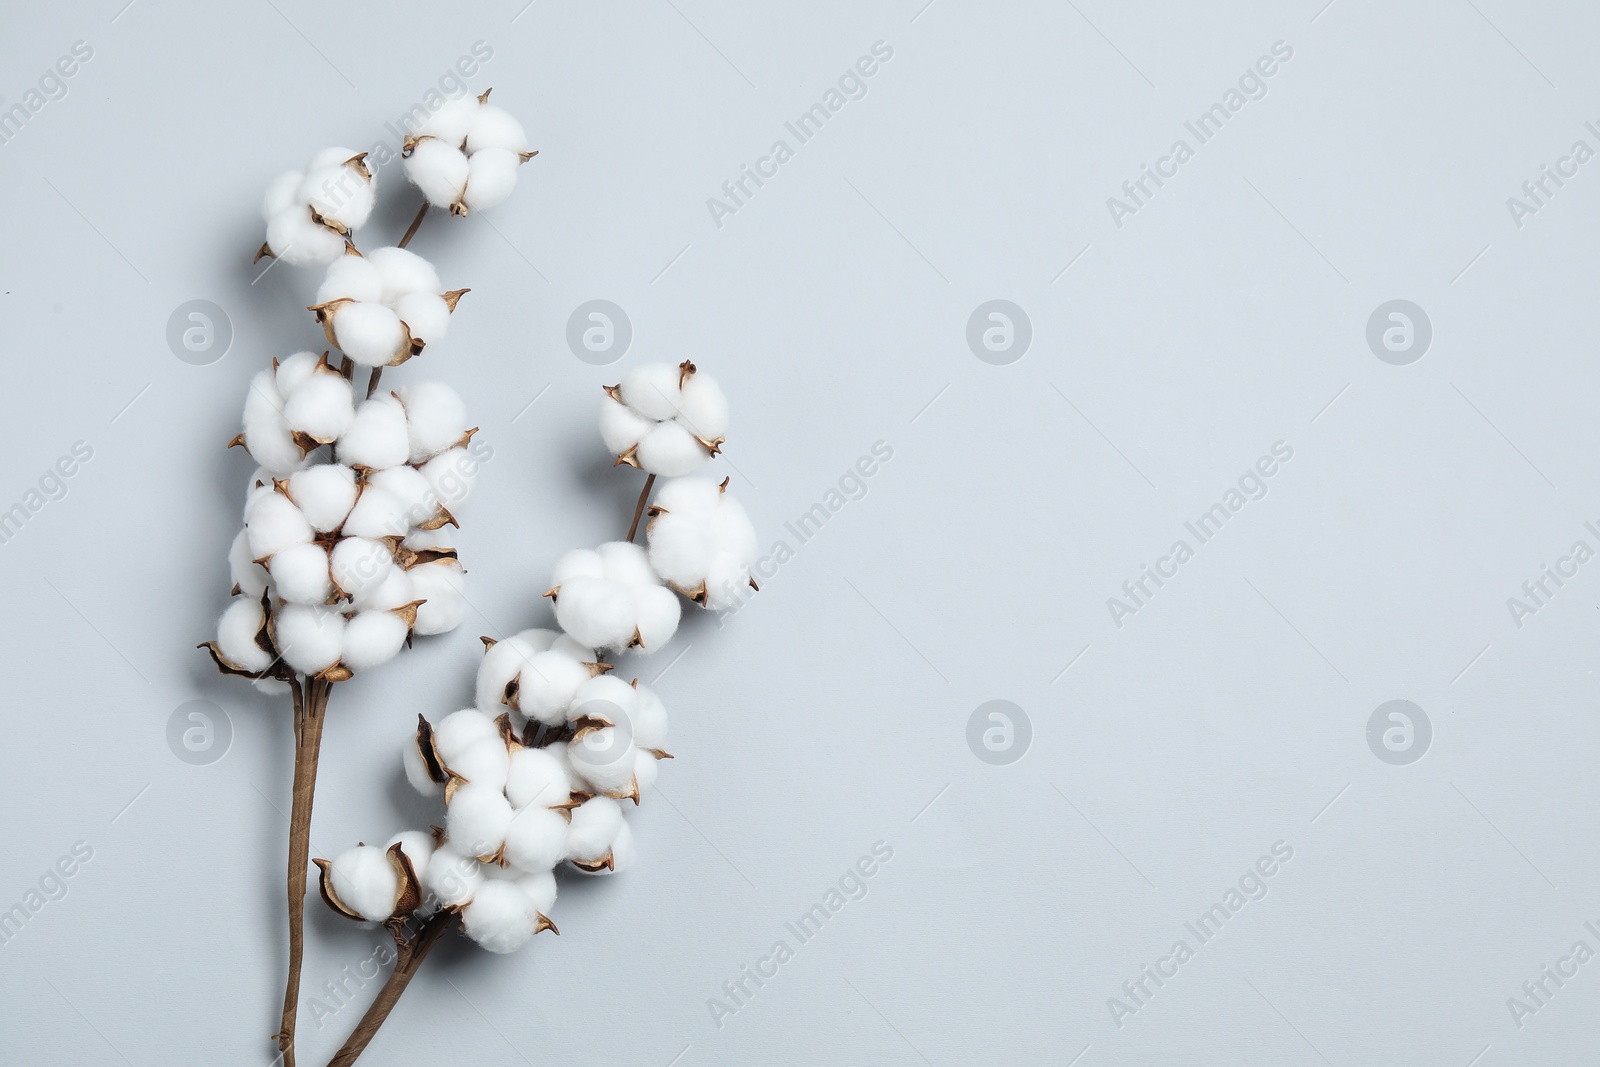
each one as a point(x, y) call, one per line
point(347, 367)
point(410, 953)
point(638, 510)
point(309, 709)
point(411, 231)
point(372, 382)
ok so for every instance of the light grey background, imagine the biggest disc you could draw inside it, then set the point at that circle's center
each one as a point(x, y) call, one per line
point(1167, 755)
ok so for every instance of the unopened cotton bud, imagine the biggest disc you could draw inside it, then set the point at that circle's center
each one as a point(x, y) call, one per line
point(500, 917)
point(309, 636)
point(364, 880)
point(324, 493)
point(477, 817)
point(237, 633)
point(371, 639)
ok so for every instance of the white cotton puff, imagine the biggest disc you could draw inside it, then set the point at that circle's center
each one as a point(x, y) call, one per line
point(537, 778)
point(622, 852)
point(621, 428)
point(536, 839)
point(652, 390)
point(483, 763)
point(436, 418)
point(266, 431)
point(371, 334)
point(423, 540)
point(595, 826)
point(377, 438)
point(702, 407)
point(500, 665)
point(351, 278)
point(337, 191)
point(603, 758)
point(649, 719)
point(395, 591)
point(451, 475)
point(491, 178)
point(298, 240)
point(272, 687)
point(322, 408)
point(657, 618)
point(324, 493)
point(439, 585)
point(627, 563)
point(371, 639)
point(456, 731)
point(294, 371)
point(477, 818)
point(274, 523)
point(606, 596)
point(416, 769)
point(309, 636)
point(540, 889)
point(378, 513)
point(418, 847)
point(604, 697)
point(452, 122)
point(282, 194)
point(411, 489)
point(250, 576)
point(439, 170)
point(670, 450)
point(494, 128)
point(702, 538)
point(236, 636)
point(500, 917)
point(546, 686)
point(597, 612)
point(358, 564)
point(300, 574)
point(365, 882)
point(403, 271)
point(426, 315)
point(646, 769)
point(453, 876)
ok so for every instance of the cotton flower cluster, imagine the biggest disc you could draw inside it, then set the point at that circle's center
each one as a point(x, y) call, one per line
point(382, 308)
point(466, 155)
point(701, 541)
point(341, 561)
point(663, 419)
point(310, 213)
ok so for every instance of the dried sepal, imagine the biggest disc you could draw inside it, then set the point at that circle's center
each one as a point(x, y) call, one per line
point(329, 896)
point(430, 752)
point(604, 863)
point(545, 924)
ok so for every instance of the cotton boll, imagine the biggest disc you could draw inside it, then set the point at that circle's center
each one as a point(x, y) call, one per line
point(577, 563)
point(536, 839)
point(453, 877)
point(452, 474)
point(377, 438)
point(378, 513)
point(236, 636)
point(298, 240)
point(364, 880)
point(455, 732)
point(426, 315)
point(403, 271)
point(396, 590)
point(282, 194)
point(371, 639)
point(604, 697)
point(670, 450)
point(272, 687)
point(491, 178)
point(546, 686)
point(477, 818)
point(733, 531)
point(250, 576)
point(359, 563)
point(627, 563)
point(624, 853)
point(649, 719)
point(652, 390)
point(621, 428)
point(500, 917)
point(657, 619)
point(452, 121)
point(595, 826)
point(493, 128)
point(417, 499)
point(417, 846)
point(536, 778)
point(500, 666)
point(436, 418)
point(540, 889)
point(680, 549)
point(274, 523)
point(440, 586)
point(351, 278)
point(371, 334)
point(603, 758)
point(322, 408)
point(690, 497)
point(332, 156)
point(439, 170)
point(309, 636)
point(294, 371)
point(339, 193)
point(596, 612)
point(646, 769)
point(324, 493)
point(726, 582)
point(266, 432)
point(416, 769)
point(483, 763)
point(703, 408)
point(300, 574)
